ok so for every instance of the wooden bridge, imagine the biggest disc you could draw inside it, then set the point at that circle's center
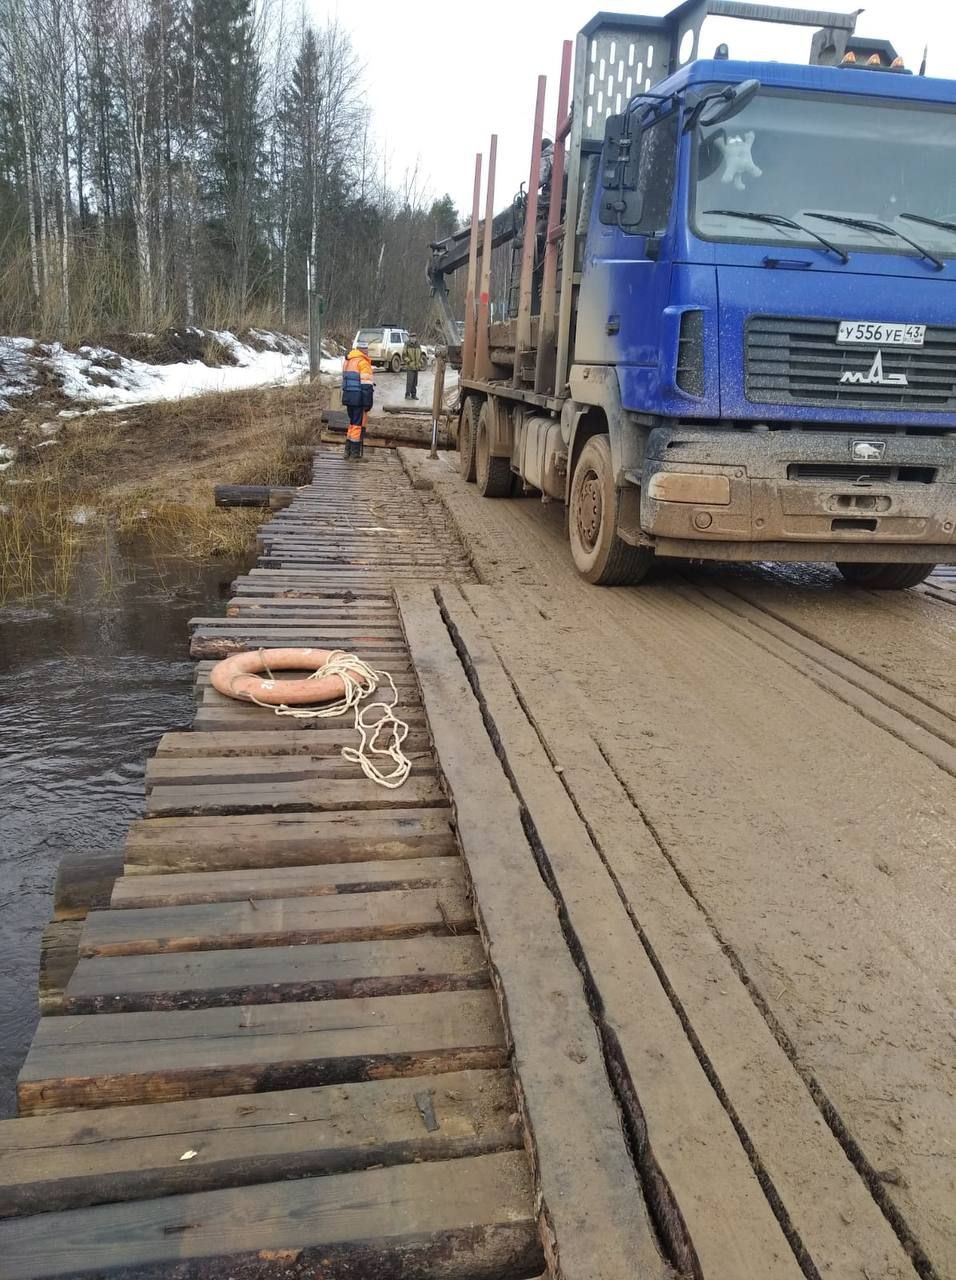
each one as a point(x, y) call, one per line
point(279, 1049)
point(477, 1028)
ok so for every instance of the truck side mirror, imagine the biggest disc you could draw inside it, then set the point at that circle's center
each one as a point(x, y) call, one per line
point(620, 200)
point(730, 102)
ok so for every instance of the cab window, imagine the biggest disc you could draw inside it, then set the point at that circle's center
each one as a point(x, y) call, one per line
point(657, 169)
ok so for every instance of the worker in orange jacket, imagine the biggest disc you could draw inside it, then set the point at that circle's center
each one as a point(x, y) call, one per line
point(357, 394)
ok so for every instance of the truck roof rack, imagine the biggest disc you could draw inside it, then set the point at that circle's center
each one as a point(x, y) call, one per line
point(630, 53)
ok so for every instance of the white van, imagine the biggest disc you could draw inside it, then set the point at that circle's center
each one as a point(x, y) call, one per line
point(386, 346)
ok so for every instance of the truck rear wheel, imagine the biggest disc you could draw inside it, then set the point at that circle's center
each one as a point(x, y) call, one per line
point(467, 431)
point(599, 555)
point(886, 577)
point(395, 364)
point(492, 474)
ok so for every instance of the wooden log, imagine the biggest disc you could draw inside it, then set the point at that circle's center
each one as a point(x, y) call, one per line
point(245, 842)
point(235, 771)
point(119, 1059)
point(253, 495)
point(84, 881)
point(348, 917)
point(317, 744)
point(274, 975)
point(466, 1219)
point(58, 958)
point(338, 795)
point(288, 882)
point(55, 1162)
point(219, 643)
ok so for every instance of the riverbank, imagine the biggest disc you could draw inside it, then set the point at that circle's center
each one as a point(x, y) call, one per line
point(146, 473)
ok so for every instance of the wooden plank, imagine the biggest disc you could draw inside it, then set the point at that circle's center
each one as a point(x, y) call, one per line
point(333, 737)
point(704, 1189)
point(331, 629)
point(59, 952)
point(466, 1219)
point(123, 1058)
point(270, 975)
point(65, 1161)
point(84, 880)
point(347, 917)
point(245, 769)
point(282, 588)
point(305, 607)
point(268, 634)
point(242, 842)
point(325, 794)
point(591, 1197)
point(219, 644)
point(226, 717)
point(286, 882)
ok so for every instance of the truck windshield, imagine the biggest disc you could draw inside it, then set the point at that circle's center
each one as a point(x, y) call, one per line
point(791, 154)
point(369, 335)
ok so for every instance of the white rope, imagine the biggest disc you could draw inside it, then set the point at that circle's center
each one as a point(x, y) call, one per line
point(360, 681)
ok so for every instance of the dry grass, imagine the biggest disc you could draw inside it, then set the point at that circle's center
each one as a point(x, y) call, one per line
point(148, 474)
point(40, 541)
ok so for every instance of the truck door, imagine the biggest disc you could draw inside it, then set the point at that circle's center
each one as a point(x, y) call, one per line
point(627, 267)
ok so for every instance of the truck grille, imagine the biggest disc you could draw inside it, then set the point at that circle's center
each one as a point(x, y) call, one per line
point(794, 361)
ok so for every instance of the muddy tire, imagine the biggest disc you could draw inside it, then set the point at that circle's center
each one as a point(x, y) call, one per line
point(599, 555)
point(467, 432)
point(395, 364)
point(886, 577)
point(493, 475)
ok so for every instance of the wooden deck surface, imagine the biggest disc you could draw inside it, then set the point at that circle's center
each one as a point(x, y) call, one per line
point(278, 1052)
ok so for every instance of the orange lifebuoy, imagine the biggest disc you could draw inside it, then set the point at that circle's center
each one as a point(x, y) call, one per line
point(241, 676)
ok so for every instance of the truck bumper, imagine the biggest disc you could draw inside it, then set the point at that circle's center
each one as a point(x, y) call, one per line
point(737, 494)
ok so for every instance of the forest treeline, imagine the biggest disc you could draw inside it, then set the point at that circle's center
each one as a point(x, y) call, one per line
point(192, 161)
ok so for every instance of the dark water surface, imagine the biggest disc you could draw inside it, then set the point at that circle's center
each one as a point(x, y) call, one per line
point(87, 687)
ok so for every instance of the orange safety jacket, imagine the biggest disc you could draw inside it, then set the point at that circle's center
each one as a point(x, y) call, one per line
point(358, 362)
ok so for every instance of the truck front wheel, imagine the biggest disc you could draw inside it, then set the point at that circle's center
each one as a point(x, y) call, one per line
point(886, 577)
point(599, 555)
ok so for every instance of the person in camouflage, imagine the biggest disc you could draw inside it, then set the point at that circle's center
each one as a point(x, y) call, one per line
point(414, 359)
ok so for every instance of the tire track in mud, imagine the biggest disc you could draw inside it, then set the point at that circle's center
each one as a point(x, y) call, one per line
point(905, 639)
point(902, 713)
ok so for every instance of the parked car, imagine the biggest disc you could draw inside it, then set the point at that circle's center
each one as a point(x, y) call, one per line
point(386, 344)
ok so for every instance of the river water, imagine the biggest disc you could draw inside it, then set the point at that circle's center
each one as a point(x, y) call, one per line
point(87, 687)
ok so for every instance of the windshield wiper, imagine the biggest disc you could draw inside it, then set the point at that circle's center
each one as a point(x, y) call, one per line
point(865, 224)
point(779, 220)
point(929, 222)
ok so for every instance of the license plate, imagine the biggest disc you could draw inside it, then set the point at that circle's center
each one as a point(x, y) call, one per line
point(870, 334)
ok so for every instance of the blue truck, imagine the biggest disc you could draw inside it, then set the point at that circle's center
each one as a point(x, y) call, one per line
point(729, 327)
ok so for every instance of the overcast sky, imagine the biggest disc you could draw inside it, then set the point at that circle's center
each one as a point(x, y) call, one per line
point(441, 77)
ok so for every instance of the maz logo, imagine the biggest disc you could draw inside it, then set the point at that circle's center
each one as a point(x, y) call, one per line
point(875, 377)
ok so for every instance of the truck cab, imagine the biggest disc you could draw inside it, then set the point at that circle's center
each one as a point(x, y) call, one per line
point(772, 275)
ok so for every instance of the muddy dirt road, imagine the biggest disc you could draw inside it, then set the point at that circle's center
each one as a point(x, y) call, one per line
point(772, 755)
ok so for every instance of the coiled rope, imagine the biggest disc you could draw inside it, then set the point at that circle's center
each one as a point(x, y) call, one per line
point(360, 681)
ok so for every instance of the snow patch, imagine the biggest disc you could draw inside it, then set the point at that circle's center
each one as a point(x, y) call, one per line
point(17, 377)
point(97, 376)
